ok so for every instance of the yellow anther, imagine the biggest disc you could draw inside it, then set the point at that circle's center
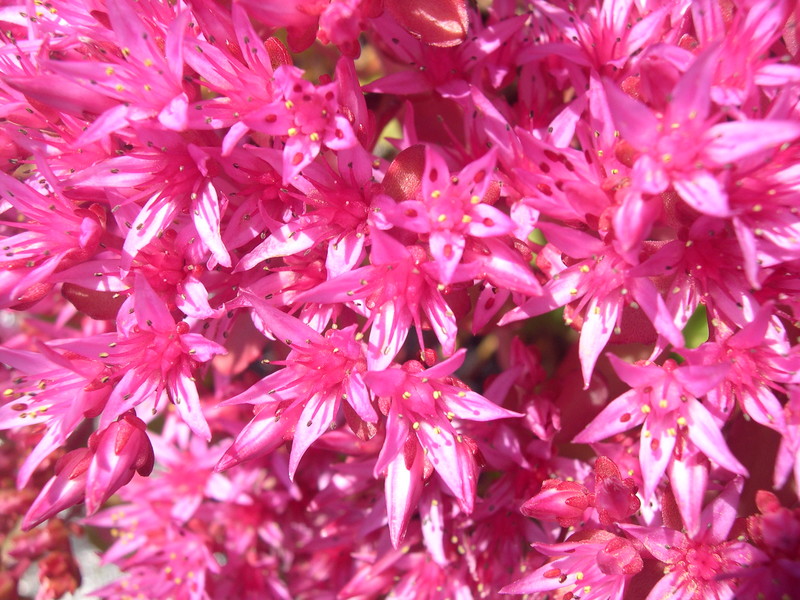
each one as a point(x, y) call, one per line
point(109, 70)
point(466, 219)
point(103, 355)
point(437, 394)
point(442, 218)
point(415, 425)
point(436, 193)
point(584, 269)
point(314, 137)
point(681, 421)
point(475, 200)
point(147, 87)
point(148, 62)
point(289, 104)
point(666, 157)
point(450, 416)
point(8, 392)
point(292, 131)
point(119, 87)
point(646, 409)
point(579, 575)
point(573, 292)
point(406, 395)
point(663, 403)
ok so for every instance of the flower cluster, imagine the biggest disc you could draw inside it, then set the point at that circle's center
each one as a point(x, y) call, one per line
point(401, 298)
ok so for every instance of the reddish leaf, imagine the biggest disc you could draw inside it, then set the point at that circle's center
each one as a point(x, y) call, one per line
point(438, 22)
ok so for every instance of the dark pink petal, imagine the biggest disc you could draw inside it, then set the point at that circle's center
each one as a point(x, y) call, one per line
point(691, 96)
point(343, 137)
point(447, 247)
point(174, 115)
point(487, 221)
point(411, 215)
point(133, 389)
point(601, 319)
point(698, 380)
point(66, 488)
point(706, 435)
point(151, 312)
point(192, 300)
point(763, 407)
point(703, 192)
point(397, 428)
point(452, 461)
point(443, 321)
point(721, 513)
point(286, 328)
point(651, 302)
point(688, 478)
point(292, 238)
point(207, 218)
point(541, 579)
point(447, 366)
point(650, 175)
point(622, 414)
point(318, 415)
point(734, 140)
point(636, 376)
point(673, 585)
point(404, 484)
point(655, 451)
point(388, 334)
point(183, 392)
point(507, 269)
point(747, 242)
point(666, 545)
point(471, 406)
point(556, 293)
point(490, 300)
point(263, 434)
point(387, 382)
point(572, 242)
point(359, 397)
point(633, 119)
point(155, 217)
point(345, 254)
point(298, 153)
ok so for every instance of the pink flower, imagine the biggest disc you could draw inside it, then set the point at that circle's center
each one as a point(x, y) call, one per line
point(305, 117)
point(302, 400)
point(449, 209)
point(671, 145)
point(420, 406)
point(397, 291)
point(591, 565)
point(602, 284)
point(158, 357)
point(700, 565)
point(664, 400)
